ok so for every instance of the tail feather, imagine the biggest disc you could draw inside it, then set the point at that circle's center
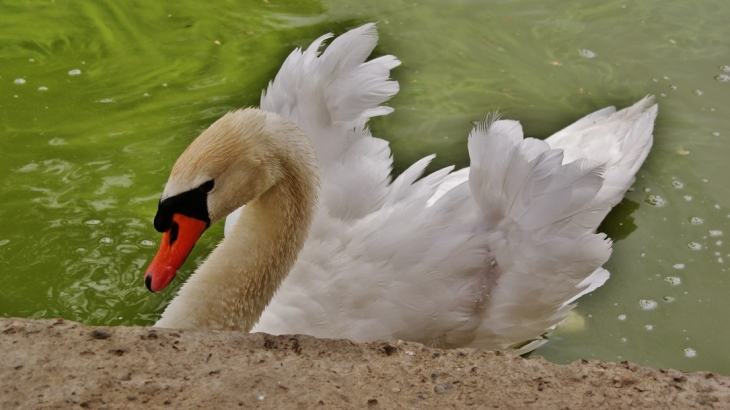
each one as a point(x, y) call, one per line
point(524, 179)
point(620, 140)
point(541, 204)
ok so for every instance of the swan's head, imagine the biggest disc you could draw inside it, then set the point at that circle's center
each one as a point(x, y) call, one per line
point(234, 161)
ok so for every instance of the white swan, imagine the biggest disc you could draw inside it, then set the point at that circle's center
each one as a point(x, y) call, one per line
point(328, 246)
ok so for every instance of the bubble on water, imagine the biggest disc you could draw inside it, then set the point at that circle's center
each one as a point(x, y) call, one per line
point(647, 304)
point(697, 92)
point(677, 184)
point(624, 340)
point(93, 222)
point(687, 198)
point(669, 299)
point(647, 189)
point(649, 327)
point(80, 250)
point(105, 240)
point(696, 220)
point(718, 243)
point(723, 78)
point(716, 134)
point(146, 243)
point(587, 53)
point(666, 78)
point(75, 71)
point(694, 246)
point(656, 80)
point(164, 84)
point(656, 200)
point(42, 88)
point(106, 100)
point(19, 81)
point(725, 68)
point(57, 141)
point(4, 242)
point(714, 232)
point(673, 87)
point(621, 317)
point(690, 352)
point(673, 280)
point(705, 180)
point(678, 266)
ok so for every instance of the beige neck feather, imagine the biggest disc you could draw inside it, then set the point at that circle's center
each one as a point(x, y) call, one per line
point(230, 290)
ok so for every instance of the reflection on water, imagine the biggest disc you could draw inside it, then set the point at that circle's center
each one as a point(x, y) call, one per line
point(95, 108)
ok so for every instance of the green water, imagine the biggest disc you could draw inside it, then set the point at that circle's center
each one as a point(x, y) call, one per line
point(98, 98)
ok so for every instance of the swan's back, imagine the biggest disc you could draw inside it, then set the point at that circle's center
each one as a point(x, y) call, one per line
point(493, 262)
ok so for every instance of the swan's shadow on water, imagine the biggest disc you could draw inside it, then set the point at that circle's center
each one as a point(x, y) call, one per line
point(619, 223)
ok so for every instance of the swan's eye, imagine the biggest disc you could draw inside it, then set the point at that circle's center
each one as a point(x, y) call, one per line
point(207, 187)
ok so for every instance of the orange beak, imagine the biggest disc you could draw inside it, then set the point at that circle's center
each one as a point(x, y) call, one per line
point(177, 242)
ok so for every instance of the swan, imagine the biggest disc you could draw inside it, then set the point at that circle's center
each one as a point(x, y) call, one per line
point(320, 241)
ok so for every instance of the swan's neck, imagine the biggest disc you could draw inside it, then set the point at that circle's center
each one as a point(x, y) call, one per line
point(233, 286)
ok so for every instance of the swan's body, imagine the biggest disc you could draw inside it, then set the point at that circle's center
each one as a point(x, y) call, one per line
point(491, 262)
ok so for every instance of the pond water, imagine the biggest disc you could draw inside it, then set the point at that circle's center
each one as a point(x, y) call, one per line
point(98, 98)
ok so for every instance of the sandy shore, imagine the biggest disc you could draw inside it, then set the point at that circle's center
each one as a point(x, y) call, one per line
point(62, 364)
